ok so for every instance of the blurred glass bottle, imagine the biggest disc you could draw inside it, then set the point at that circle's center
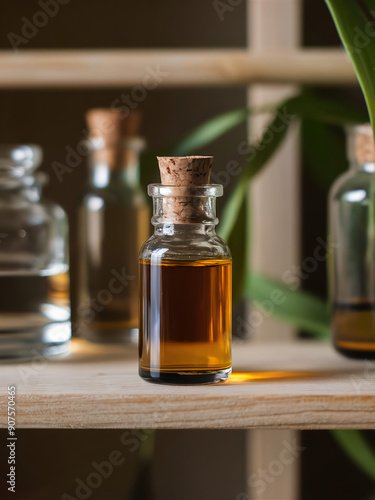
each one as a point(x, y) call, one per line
point(34, 279)
point(352, 249)
point(113, 223)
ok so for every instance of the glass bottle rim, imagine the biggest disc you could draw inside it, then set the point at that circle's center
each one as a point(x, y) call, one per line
point(136, 143)
point(16, 160)
point(206, 190)
point(360, 146)
point(358, 129)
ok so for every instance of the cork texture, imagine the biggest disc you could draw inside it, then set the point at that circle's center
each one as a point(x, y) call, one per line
point(184, 172)
point(111, 125)
point(113, 128)
point(364, 146)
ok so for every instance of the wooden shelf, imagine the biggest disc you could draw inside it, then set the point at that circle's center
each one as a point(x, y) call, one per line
point(303, 385)
point(186, 68)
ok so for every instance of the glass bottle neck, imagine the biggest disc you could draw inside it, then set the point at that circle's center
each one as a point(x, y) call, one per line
point(114, 166)
point(172, 229)
point(18, 179)
point(184, 208)
point(361, 148)
point(27, 187)
point(368, 168)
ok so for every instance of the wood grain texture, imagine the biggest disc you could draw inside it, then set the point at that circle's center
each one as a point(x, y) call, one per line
point(301, 385)
point(215, 67)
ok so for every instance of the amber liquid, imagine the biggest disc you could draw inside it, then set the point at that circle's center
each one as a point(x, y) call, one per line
point(185, 320)
point(353, 326)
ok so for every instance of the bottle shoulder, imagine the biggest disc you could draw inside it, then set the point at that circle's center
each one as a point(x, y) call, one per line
point(114, 195)
point(352, 182)
point(185, 247)
point(42, 208)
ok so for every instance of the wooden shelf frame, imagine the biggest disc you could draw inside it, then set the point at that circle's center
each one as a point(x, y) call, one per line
point(40, 69)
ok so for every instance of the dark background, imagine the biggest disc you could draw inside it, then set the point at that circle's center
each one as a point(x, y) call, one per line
point(188, 464)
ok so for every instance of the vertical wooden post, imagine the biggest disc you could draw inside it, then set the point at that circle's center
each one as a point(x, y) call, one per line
point(275, 213)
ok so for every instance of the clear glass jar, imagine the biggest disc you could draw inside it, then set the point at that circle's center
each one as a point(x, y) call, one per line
point(352, 249)
point(114, 221)
point(185, 290)
point(34, 279)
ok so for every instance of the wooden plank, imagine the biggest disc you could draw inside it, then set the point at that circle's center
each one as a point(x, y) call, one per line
point(275, 192)
point(163, 68)
point(265, 447)
point(297, 384)
point(275, 209)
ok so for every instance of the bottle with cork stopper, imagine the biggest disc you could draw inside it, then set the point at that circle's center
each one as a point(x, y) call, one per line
point(185, 280)
point(113, 223)
point(351, 250)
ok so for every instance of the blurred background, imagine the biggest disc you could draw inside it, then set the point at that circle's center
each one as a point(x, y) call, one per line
point(186, 464)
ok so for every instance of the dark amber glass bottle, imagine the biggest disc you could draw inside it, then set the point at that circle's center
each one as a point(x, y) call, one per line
point(352, 249)
point(114, 222)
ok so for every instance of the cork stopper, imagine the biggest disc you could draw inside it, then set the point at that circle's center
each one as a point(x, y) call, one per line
point(361, 146)
point(111, 125)
point(111, 130)
point(184, 172)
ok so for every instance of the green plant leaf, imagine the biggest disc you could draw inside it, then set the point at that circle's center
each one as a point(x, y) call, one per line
point(330, 111)
point(357, 449)
point(231, 211)
point(354, 20)
point(210, 131)
point(301, 309)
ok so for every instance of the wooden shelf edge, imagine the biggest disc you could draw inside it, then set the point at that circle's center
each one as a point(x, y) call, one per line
point(290, 385)
point(157, 68)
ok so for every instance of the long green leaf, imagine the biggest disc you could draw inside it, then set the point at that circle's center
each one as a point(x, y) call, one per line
point(330, 111)
point(231, 210)
point(215, 128)
point(355, 22)
point(357, 449)
point(301, 309)
point(210, 131)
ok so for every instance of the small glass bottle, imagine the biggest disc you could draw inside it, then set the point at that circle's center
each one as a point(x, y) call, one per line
point(352, 249)
point(185, 280)
point(113, 224)
point(34, 279)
